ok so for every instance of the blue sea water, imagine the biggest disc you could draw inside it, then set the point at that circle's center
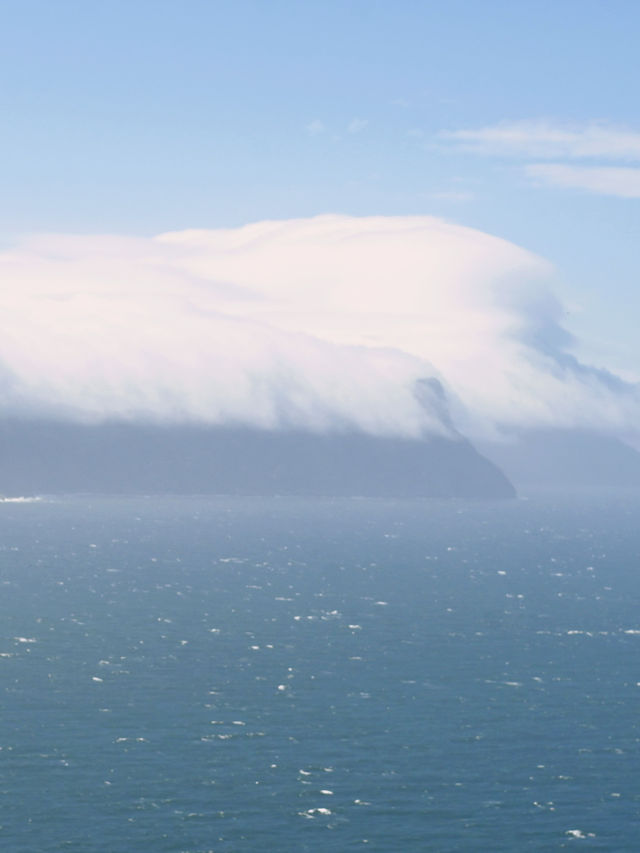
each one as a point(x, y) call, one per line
point(215, 674)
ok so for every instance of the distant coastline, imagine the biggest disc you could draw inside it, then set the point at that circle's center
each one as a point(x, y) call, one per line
point(38, 457)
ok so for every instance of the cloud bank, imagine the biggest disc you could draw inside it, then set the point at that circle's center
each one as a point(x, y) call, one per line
point(321, 324)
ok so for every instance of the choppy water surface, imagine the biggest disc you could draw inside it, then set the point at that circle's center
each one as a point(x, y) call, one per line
point(213, 674)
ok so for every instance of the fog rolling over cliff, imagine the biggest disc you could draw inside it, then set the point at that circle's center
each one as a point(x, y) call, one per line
point(329, 355)
point(45, 457)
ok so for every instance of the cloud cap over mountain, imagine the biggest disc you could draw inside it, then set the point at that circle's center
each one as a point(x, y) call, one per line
point(322, 324)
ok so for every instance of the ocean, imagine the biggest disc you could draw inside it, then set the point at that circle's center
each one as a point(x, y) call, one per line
point(212, 674)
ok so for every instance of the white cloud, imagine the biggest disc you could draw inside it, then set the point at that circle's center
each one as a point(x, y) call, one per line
point(547, 140)
point(319, 323)
point(605, 180)
point(315, 127)
point(357, 125)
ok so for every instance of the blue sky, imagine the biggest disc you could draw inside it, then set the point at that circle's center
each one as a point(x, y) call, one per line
point(140, 117)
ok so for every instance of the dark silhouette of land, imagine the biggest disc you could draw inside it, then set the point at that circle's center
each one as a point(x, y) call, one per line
point(45, 457)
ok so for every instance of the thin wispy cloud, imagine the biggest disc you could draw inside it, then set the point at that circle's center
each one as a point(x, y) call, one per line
point(315, 127)
point(548, 140)
point(458, 196)
point(606, 180)
point(540, 140)
point(357, 125)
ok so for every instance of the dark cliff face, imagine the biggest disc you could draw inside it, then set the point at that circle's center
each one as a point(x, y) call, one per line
point(118, 458)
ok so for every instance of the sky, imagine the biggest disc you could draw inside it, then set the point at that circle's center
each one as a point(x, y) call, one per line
point(141, 119)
